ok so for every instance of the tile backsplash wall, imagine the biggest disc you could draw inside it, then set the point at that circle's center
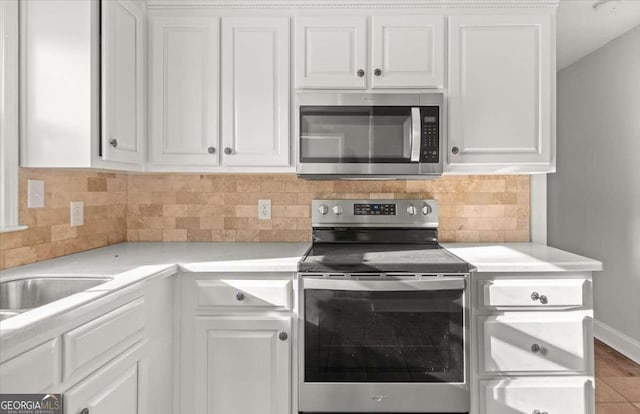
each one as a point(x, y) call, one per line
point(194, 207)
point(224, 207)
point(49, 234)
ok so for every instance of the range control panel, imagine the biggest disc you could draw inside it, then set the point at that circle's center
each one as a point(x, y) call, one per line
point(430, 134)
point(374, 213)
point(374, 209)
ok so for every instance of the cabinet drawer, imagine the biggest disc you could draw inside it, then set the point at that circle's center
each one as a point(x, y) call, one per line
point(96, 342)
point(244, 293)
point(35, 371)
point(535, 293)
point(525, 396)
point(527, 342)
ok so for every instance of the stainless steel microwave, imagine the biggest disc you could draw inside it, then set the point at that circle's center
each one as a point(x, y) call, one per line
point(369, 135)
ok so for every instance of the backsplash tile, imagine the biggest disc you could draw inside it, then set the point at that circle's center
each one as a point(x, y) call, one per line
point(49, 234)
point(224, 207)
point(196, 207)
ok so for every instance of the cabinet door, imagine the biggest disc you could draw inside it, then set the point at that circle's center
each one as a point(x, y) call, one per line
point(530, 395)
point(184, 90)
point(255, 91)
point(330, 50)
point(408, 52)
point(112, 389)
point(500, 75)
point(36, 370)
point(122, 82)
point(529, 342)
point(242, 366)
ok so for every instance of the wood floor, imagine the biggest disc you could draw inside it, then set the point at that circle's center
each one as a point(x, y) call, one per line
point(617, 382)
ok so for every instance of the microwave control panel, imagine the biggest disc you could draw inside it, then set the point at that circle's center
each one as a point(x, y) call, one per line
point(430, 151)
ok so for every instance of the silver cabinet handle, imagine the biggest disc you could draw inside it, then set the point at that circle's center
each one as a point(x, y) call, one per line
point(415, 134)
point(535, 348)
point(240, 296)
point(228, 151)
point(283, 336)
point(542, 298)
point(114, 144)
point(377, 72)
point(211, 150)
point(455, 150)
point(360, 73)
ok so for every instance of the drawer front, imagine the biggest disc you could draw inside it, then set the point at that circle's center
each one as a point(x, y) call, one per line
point(534, 293)
point(35, 371)
point(526, 396)
point(244, 293)
point(533, 342)
point(96, 342)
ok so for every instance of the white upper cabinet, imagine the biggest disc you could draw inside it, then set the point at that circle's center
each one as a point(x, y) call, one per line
point(61, 95)
point(122, 82)
point(255, 91)
point(331, 52)
point(501, 99)
point(184, 90)
point(407, 51)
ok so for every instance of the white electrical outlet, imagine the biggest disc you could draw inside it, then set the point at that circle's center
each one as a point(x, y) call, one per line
point(77, 213)
point(35, 193)
point(264, 209)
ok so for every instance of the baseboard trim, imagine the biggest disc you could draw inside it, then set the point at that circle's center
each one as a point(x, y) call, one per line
point(617, 340)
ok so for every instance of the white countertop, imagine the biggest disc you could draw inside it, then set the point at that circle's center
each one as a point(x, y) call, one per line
point(521, 257)
point(188, 256)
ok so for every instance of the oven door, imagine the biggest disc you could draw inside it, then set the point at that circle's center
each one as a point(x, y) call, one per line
point(388, 346)
point(367, 134)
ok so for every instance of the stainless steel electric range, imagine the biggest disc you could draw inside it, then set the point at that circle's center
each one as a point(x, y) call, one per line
point(383, 312)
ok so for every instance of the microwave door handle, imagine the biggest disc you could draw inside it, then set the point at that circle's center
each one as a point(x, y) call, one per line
point(440, 283)
point(415, 134)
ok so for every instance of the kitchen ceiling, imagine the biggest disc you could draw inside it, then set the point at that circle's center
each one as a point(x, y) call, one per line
point(583, 28)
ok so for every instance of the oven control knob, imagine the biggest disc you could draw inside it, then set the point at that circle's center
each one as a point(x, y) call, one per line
point(323, 209)
point(412, 210)
point(338, 210)
point(426, 209)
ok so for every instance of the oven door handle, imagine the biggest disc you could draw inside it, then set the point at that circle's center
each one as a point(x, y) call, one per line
point(436, 283)
point(415, 134)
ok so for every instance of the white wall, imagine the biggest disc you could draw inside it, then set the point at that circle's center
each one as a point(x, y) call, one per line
point(594, 198)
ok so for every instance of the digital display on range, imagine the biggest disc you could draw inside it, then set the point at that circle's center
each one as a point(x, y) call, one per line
point(374, 209)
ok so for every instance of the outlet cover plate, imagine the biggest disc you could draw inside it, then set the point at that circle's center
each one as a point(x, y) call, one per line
point(77, 213)
point(264, 209)
point(35, 193)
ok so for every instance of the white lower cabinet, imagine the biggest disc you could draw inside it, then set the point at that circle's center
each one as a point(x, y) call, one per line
point(111, 389)
point(532, 395)
point(243, 365)
point(34, 371)
point(235, 343)
point(534, 343)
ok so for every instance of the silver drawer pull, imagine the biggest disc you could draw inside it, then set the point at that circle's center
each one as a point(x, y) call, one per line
point(239, 296)
point(542, 298)
point(535, 348)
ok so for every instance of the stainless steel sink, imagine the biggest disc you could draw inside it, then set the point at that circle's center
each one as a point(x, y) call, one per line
point(17, 296)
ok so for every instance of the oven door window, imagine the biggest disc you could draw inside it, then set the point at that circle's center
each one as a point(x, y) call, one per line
point(384, 336)
point(355, 134)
